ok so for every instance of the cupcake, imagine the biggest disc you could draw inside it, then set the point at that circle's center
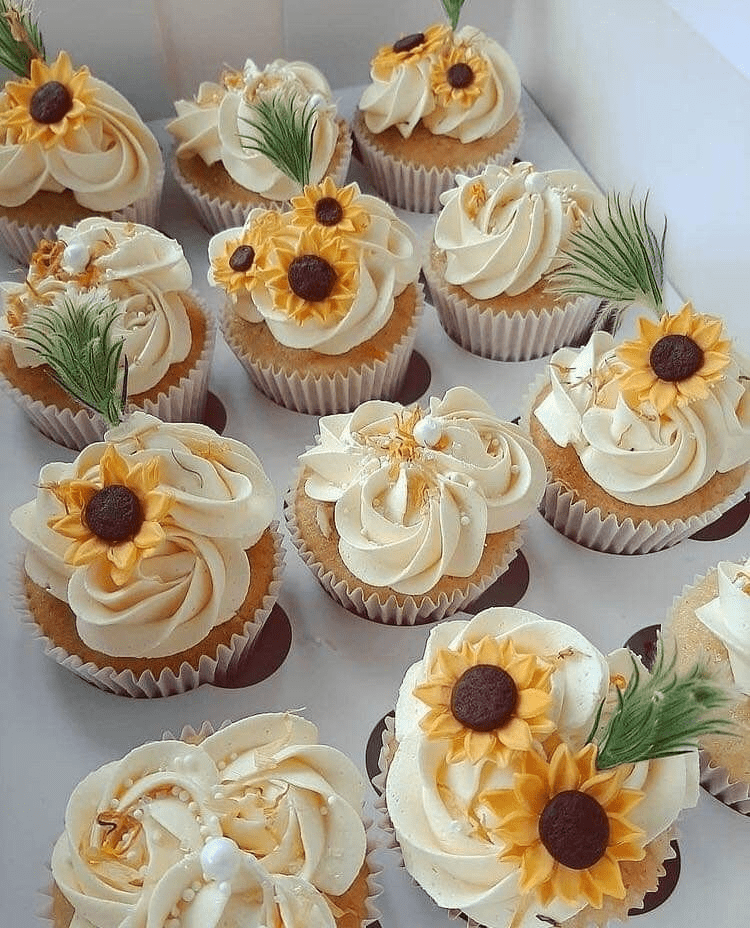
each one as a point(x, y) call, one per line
point(405, 515)
point(256, 825)
point(123, 282)
point(71, 146)
point(323, 300)
point(496, 244)
point(712, 616)
point(221, 137)
point(531, 780)
point(152, 562)
point(441, 102)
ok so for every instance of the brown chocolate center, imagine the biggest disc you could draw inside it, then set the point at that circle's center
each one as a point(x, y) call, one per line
point(676, 357)
point(114, 513)
point(574, 828)
point(408, 43)
point(484, 697)
point(50, 102)
point(311, 277)
point(328, 211)
point(242, 258)
point(460, 75)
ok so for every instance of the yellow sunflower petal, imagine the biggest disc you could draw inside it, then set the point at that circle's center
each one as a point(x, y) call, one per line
point(530, 791)
point(150, 535)
point(123, 556)
point(606, 872)
point(156, 505)
point(86, 552)
point(662, 394)
point(563, 771)
point(515, 734)
point(478, 744)
point(532, 702)
point(536, 868)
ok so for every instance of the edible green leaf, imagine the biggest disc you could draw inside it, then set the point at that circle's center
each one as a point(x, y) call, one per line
point(20, 38)
point(282, 130)
point(453, 11)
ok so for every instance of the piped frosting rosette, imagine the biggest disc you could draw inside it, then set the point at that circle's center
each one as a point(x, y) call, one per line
point(168, 335)
point(460, 86)
point(98, 148)
point(322, 300)
point(406, 514)
point(662, 450)
point(497, 239)
point(256, 825)
point(157, 546)
point(492, 781)
point(217, 128)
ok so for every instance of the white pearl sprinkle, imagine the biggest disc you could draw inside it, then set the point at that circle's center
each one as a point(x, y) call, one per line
point(225, 888)
point(129, 782)
point(188, 895)
point(221, 765)
point(192, 807)
point(428, 431)
point(184, 795)
point(114, 803)
point(75, 257)
point(196, 885)
point(317, 100)
point(175, 790)
point(138, 814)
point(220, 860)
point(514, 468)
point(233, 755)
point(464, 520)
point(535, 183)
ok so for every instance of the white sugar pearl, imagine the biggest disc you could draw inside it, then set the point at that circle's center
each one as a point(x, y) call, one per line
point(535, 183)
point(220, 860)
point(75, 257)
point(317, 100)
point(428, 431)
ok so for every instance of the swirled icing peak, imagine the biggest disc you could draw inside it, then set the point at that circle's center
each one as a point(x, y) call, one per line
point(728, 617)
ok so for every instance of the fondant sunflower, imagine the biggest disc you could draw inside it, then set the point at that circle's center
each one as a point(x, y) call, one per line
point(673, 361)
point(409, 49)
point(50, 104)
point(458, 75)
point(236, 268)
point(564, 825)
point(329, 206)
point(314, 277)
point(116, 515)
point(487, 699)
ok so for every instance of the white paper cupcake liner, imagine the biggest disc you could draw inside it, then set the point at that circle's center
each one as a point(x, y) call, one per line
point(383, 605)
point(182, 402)
point(341, 391)
point(590, 527)
point(506, 336)
point(216, 214)
point(716, 780)
point(21, 240)
point(210, 667)
point(416, 188)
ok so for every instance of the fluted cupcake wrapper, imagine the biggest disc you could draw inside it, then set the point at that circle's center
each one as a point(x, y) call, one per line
point(506, 336)
point(342, 391)
point(384, 605)
point(183, 401)
point(216, 214)
point(210, 667)
point(417, 188)
point(22, 240)
point(717, 781)
point(589, 526)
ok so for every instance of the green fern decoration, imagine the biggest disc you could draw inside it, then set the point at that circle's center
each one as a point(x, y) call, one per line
point(662, 714)
point(283, 132)
point(75, 339)
point(619, 258)
point(453, 11)
point(20, 38)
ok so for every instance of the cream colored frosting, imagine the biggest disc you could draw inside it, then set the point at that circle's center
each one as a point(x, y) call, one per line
point(112, 161)
point(504, 229)
point(728, 617)
point(142, 269)
point(429, 801)
point(198, 831)
point(401, 100)
point(417, 491)
point(221, 503)
point(214, 124)
point(635, 455)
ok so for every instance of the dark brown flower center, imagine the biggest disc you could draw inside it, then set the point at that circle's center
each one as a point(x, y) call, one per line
point(114, 513)
point(408, 43)
point(676, 357)
point(328, 211)
point(242, 258)
point(311, 277)
point(50, 102)
point(484, 697)
point(575, 829)
point(460, 75)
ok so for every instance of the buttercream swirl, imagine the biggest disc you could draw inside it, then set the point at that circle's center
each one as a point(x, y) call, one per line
point(636, 455)
point(246, 827)
point(434, 805)
point(196, 577)
point(417, 491)
point(110, 161)
point(728, 617)
point(143, 270)
point(215, 124)
point(504, 229)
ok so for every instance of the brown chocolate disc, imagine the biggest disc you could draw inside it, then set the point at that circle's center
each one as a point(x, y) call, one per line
point(311, 277)
point(409, 42)
point(484, 697)
point(460, 75)
point(328, 211)
point(242, 258)
point(676, 357)
point(575, 829)
point(114, 513)
point(50, 102)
